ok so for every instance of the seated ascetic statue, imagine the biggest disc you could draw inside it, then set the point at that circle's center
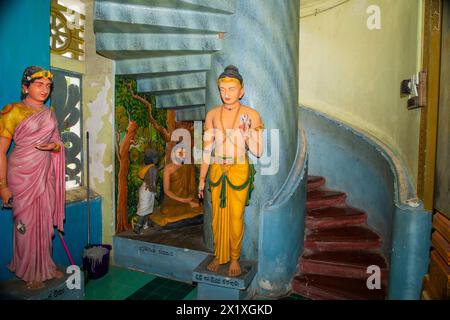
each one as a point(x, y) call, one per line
point(180, 200)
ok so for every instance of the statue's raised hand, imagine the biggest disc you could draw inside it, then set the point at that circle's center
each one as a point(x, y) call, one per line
point(245, 125)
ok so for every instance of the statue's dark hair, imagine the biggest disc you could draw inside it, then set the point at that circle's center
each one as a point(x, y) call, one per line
point(151, 156)
point(232, 72)
point(26, 81)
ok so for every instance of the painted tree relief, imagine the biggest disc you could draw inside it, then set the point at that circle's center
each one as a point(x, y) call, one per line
point(137, 128)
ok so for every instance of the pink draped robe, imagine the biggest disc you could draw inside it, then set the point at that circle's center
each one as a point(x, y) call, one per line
point(37, 183)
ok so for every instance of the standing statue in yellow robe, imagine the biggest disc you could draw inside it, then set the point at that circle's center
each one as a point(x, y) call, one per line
point(231, 130)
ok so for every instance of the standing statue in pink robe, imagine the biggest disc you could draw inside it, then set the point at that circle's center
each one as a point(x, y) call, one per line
point(32, 178)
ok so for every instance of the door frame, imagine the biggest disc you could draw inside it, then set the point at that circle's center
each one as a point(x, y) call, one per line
point(431, 64)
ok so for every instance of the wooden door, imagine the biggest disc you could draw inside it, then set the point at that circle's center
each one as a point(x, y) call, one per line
point(442, 182)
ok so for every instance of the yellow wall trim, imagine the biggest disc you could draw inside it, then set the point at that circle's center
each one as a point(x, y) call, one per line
point(60, 62)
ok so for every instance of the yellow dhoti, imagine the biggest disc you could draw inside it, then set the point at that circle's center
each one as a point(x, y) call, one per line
point(230, 186)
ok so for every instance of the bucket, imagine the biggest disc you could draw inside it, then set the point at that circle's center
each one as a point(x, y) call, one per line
point(96, 260)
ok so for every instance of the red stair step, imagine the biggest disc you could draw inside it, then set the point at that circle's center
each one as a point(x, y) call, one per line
point(341, 239)
point(334, 217)
point(315, 182)
point(318, 287)
point(323, 198)
point(347, 264)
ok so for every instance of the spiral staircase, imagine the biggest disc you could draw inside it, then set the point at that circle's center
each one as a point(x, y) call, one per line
point(166, 45)
point(339, 249)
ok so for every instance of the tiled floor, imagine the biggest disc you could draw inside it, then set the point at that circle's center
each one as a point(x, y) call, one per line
point(123, 284)
point(117, 284)
point(162, 289)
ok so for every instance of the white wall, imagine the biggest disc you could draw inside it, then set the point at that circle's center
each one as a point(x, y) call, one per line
point(353, 74)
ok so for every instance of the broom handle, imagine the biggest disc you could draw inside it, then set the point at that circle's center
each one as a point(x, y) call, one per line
point(87, 190)
point(66, 249)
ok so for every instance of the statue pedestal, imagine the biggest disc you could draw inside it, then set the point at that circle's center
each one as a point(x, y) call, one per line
point(219, 286)
point(55, 289)
point(174, 254)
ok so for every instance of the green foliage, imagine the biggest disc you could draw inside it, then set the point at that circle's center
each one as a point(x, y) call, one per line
point(127, 108)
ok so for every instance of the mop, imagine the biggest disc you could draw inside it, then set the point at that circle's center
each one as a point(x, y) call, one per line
point(66, 248)
point(92, 254)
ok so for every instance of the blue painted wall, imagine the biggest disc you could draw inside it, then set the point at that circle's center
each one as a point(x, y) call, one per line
point(6, 243)
point(282, 231)
point(356, 164)
point(24, 36)
point(75, 232)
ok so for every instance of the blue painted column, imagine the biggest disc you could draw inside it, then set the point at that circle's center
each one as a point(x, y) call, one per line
point(411, 246)
point(263, 42)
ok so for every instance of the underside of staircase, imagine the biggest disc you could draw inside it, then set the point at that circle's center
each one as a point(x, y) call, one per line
point(339, 248)
point(165, 45)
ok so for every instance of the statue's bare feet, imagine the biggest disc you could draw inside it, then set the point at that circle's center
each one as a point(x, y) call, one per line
point(59, 274)
point(35, 285)
point(213, 266)
point(235, 269)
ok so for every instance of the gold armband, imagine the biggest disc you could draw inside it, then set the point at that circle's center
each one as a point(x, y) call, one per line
point(57, 148)
point(260, 127)
point(3, 183)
